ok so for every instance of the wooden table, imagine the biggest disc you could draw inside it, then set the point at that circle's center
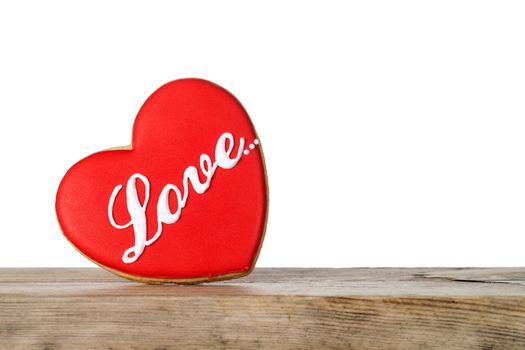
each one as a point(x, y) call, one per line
point(270, 309)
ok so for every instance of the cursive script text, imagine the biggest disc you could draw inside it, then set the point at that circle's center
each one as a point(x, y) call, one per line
point(137, 210)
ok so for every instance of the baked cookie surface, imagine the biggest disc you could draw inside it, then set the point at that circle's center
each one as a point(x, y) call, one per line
point(186, 202)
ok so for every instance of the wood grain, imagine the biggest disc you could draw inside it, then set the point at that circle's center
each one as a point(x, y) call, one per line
point(270, 309)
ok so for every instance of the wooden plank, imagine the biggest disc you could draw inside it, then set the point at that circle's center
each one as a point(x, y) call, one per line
point(270, 309)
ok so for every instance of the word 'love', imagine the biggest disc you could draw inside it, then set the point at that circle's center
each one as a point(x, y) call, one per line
point(137, 210)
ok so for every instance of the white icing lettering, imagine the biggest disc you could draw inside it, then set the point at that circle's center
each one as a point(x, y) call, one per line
point(165, 215)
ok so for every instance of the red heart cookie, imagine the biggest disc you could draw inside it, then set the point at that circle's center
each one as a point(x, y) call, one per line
point(186, 203)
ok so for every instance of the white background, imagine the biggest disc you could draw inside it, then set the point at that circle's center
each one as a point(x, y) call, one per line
point(394, 132)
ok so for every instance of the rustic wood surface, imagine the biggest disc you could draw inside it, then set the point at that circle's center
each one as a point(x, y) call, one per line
point(270, 309)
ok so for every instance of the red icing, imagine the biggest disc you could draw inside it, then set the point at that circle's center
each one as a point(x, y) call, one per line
point(219, 231)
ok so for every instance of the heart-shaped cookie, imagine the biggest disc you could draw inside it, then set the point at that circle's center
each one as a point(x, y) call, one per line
point(186, 202)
